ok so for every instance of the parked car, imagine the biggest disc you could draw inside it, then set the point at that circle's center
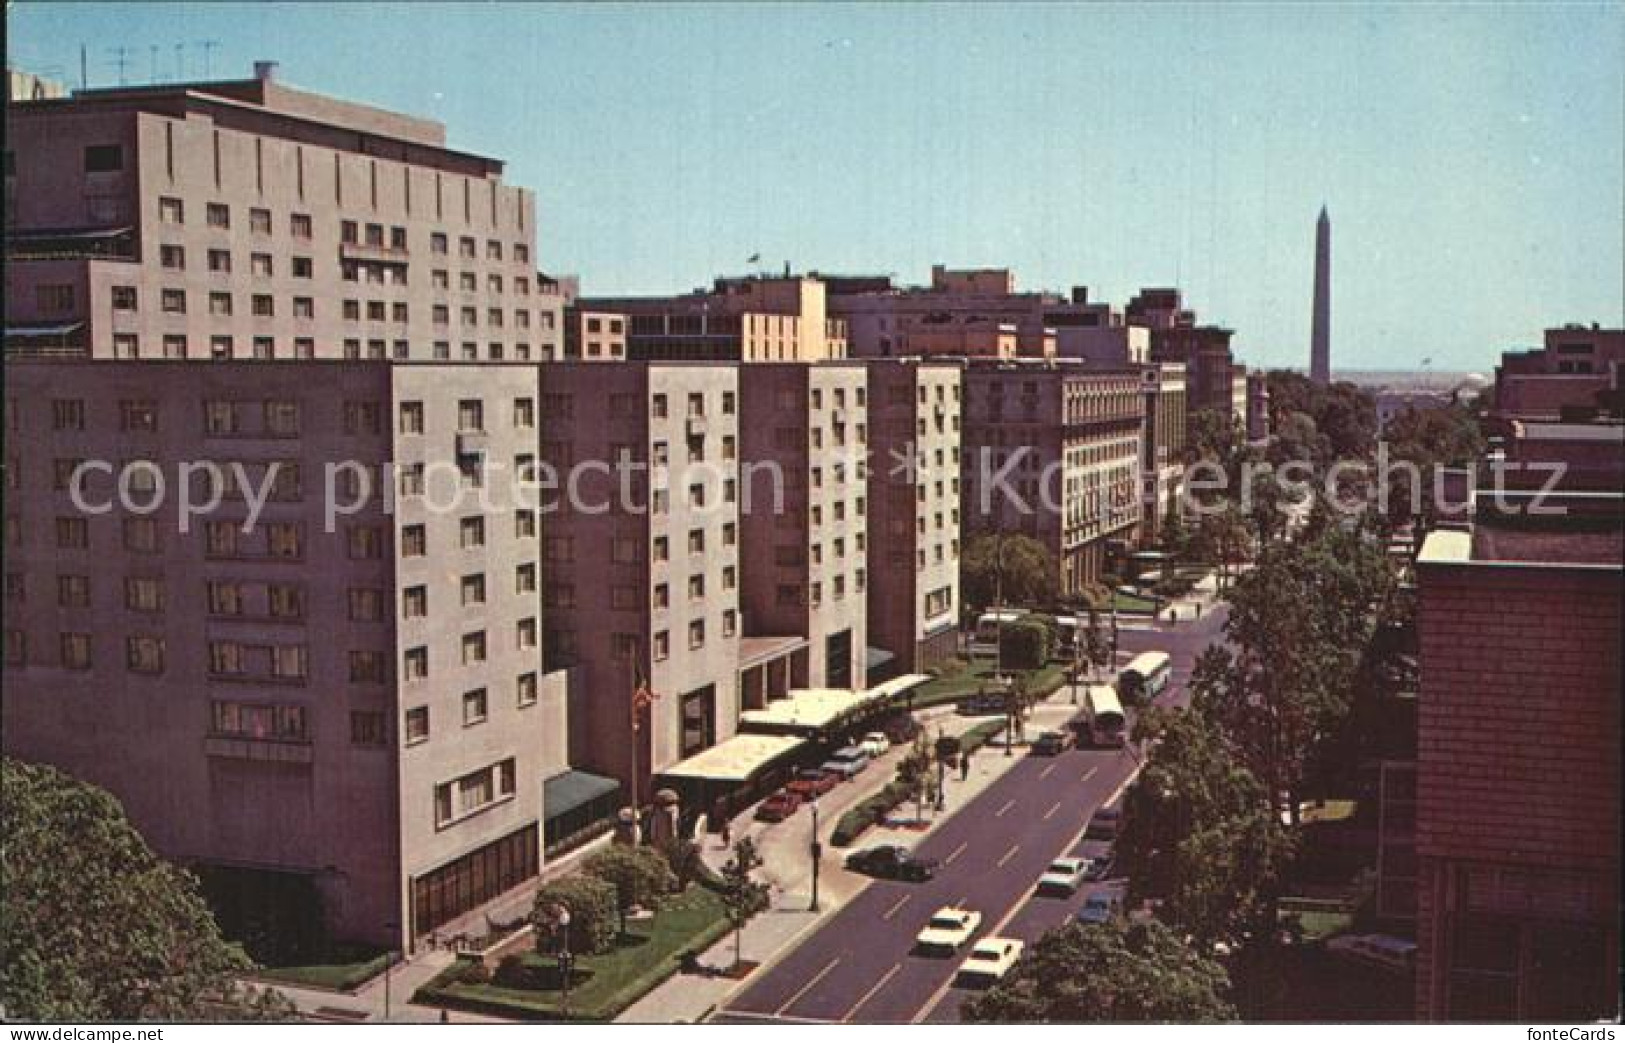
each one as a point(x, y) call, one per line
point(990, 959)
point(947, 930)
point(1063, 877)
point(846, 762)
point(1048, 744)
point(1103, 824)
point(1383, 949)
point(778, 807)
point(812, 783)
point(1101, 906)
point(980, 705)
point(874, 744)
point(1098, 868)
point(892, 862)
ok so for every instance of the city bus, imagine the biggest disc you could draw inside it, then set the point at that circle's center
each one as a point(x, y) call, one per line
point(1103, 717)
point(985, 639)
point(1144, 678)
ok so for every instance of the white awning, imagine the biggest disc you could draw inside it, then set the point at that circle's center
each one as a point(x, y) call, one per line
point(735, 759)
point(813, 709)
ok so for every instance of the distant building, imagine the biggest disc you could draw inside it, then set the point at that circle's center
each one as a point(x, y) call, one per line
point(1258, 406)
point(1210, 369)
point(749, 319)
point(594, 336)
point(1162, 463)
point(26, 86)
point(1574, 376)
point(1517, 803)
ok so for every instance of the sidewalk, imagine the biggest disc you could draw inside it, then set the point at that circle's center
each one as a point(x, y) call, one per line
point(687, 998)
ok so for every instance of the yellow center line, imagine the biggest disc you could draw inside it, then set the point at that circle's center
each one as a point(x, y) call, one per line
point(807, 987)
point(889, 913)
point(956, 853)
point(1008, 855)
point(1007, 806)
point(889, 975)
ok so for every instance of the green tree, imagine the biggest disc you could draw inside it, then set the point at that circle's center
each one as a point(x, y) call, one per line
point(916, 775)
point(1199, 833)
point(1009, 570)
point(743, 896)
point(1113, 972)
point(1026, 644)
point(95, 927)
point(1223, 538)
point(640, 875)
point(591, 902)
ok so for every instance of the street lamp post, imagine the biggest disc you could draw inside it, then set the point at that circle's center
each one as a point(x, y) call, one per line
point(816, 850)
point(389, 962)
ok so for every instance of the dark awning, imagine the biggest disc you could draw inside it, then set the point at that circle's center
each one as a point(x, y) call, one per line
point(574, 789)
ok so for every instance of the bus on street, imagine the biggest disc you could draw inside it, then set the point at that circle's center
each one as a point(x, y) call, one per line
point(1144, 678)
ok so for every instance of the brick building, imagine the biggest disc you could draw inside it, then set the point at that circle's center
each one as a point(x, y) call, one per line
point(1518, 765)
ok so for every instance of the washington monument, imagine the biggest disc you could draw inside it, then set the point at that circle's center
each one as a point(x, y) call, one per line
point(1320, 328)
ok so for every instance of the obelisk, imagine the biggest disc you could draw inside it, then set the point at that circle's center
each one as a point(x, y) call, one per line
point(1320, 330)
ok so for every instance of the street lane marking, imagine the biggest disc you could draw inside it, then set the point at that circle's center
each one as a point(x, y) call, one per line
point(889, 913)
point(870, 994)
point(807, 987)
point(1052, 810)
point(956, 853)
point(1089, 774)
point(788, 1019)
point(1007, 806)
point(1008, 855)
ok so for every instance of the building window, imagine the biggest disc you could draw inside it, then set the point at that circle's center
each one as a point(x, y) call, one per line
point(259, 221)
point(472, 533)
point(474, 648)
point(299, 226)
point(474, 707)
point(218, 215)
point(75, 651)
point(414, 541)
point(662, 646)
point(171, 211)
point(172, 257)
point(144, 655)
point(124, 298)
point(367, 728)
point(473, 589)
point(417, 725)
point(525, 689)
point(144, 594)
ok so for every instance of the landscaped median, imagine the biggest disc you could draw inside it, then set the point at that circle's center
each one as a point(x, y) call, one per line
point(873, 809)
point(526, 987)
point(967, 677)
point(344, 969)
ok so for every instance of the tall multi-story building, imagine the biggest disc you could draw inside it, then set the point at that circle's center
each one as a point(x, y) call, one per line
point(331, 682)
point(752, 319)
point(914, 443)
point(1053, 451)
point(1517, 804)
point(245, 219)
point(1210, 370)
point(804, 517)
point(1162, 450)
point(642, 558)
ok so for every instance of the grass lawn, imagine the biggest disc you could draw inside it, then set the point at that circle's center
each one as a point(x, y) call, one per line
point(349, 966)
point(1134, 603)
point(969, 676)
point(643, 957)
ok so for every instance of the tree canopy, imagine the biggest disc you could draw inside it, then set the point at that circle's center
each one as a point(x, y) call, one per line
point(1118, 971)
point(1015, 569)
point(95, 927)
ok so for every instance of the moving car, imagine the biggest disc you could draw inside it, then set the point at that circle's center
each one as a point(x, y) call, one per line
point(1048, 744)
point(990, 959)
point(1103, 824)
point(875, 744)
point(1063, 877)
point(1101, 906)
point(948, 929)
point(778, 807)
point(846, 762)
point(892, 862)
point(812, 783)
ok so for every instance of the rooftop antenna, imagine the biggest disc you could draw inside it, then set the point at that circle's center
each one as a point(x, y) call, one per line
point(121, 58)
point(154, 49)
point(208, 56)
point(180, 61)
point(84, 69)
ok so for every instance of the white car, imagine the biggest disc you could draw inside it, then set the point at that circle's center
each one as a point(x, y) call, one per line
point(1063, 877)
point(989, 960)
point(874, 744)
point(948, 929)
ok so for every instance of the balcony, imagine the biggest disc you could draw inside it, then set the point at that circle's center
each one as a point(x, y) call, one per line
point(70, 244)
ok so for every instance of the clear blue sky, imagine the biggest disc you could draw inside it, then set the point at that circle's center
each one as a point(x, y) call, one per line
point(1471, 156)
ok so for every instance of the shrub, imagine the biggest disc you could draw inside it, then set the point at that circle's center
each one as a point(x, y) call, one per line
point(592, 905)
point(1026, 643)
point(639, 875)
point(683, 856)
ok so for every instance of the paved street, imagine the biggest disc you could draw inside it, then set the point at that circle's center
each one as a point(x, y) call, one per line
point(859, 965)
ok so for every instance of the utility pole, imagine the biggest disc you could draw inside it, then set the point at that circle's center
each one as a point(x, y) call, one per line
point(816, 850)
point(121, 59)
point(208, 56)
point(84, 69)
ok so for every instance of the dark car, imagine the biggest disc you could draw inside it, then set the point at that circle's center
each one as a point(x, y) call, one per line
point(1103, 825)
point(1051, 743)
point(812, 783)
point(1099, 868)
point(891, 862)
point(778, 807)
point(980, 705)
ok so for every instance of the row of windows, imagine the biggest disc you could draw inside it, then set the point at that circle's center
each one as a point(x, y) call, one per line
point(172, 211)
point(279, 418)
point(629, 550)
point(791, 594)
point(475, 647)
point(476, 708)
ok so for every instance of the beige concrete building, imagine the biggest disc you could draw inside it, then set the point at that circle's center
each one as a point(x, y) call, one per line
point(1162, 462)
point(914, 513)
point(344, 688)
point(750, 319)
point(248, 220)
point(1052, 451)
point(594, 336)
